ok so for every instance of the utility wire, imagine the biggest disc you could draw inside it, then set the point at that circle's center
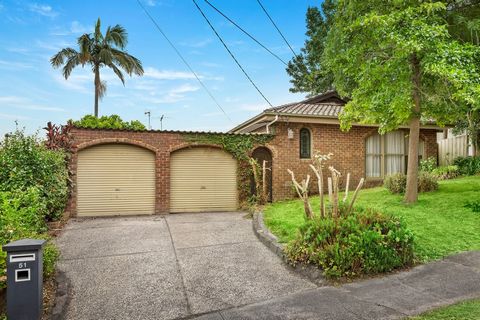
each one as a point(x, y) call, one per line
point(245, 32)
point(231, 54)
point(183, 59)
point(275, 25)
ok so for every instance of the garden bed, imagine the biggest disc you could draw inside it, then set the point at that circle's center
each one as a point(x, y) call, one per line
point(441, 223)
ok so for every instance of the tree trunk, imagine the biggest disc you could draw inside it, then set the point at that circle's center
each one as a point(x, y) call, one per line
point(411, 192)
point(97, 88)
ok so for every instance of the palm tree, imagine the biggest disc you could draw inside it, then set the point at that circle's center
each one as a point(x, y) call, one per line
point(98, 51)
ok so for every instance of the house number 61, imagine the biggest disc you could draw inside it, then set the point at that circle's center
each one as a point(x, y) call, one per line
point(22, 265)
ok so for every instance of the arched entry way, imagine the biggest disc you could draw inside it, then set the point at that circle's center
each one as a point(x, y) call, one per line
point(263, 154)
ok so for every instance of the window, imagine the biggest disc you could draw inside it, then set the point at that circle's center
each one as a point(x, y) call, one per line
point(388, 154)
point(305, 144)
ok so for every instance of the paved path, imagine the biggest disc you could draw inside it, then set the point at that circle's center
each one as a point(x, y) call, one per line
point(393, 297)
point(167, 268)
point(211, 266)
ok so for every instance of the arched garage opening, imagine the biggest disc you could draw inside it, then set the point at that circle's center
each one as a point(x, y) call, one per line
point(203, 179)
point(115, 179)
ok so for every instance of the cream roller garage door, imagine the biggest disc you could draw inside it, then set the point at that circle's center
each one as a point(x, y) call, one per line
point(115, 179)
point(203, 179)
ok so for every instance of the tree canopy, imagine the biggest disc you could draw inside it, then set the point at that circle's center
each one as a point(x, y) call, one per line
point(100, 50)
point(306, 69)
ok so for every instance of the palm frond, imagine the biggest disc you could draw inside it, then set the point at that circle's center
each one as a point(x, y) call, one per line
point(117, 36)
point(58, 59)
point(102, 89)
point(72, 62)
point(118, 72)
point(105, 56)
point(97, 36)
point(127, 62)
point(85, 44)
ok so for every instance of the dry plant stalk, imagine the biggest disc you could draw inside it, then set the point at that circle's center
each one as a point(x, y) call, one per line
point(302, 191)
point(360, 185)
point(330, 191)
point(346, 188)
point(335, 179)
point(317, 168)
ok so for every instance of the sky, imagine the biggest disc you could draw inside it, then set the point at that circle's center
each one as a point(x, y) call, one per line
point(33, 93)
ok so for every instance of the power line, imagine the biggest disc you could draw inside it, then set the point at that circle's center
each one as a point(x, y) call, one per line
point(183, 59)
point(231, 54)
point(275, 25)
point(245, 32)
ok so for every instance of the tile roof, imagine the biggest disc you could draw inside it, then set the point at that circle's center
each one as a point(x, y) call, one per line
point(330, 110)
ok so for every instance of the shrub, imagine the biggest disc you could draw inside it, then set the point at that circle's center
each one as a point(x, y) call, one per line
point(446, 172)
point(365, 242)
point(397, 183)
point(22, 215)
point(468, 165)
point(428, 165)
point(108, 122)
point(26, 163)
point(427, 182)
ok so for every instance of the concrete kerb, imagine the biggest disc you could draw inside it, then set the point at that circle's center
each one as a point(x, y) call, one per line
point(310, 272)
point(62, 296)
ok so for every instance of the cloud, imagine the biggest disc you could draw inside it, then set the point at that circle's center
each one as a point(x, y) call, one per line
point(167, 74)
point(77, 27)
point(254, 107)
point(13, 65)
point(43, 9)
point(197, 44)
point(7, 116)
point(184, 89)
point(16, 102)
point(172, 95)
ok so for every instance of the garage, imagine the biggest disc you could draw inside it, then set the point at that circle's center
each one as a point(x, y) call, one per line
point(203, 179)
point(115, 179)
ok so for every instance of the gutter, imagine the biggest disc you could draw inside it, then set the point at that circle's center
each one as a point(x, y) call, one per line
point(268, 125)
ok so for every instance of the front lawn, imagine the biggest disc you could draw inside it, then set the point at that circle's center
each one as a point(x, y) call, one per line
point(440, 222)
point(469, 310)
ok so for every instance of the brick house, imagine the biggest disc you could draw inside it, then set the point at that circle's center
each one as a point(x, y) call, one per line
point(312, 125)
point(123, 172)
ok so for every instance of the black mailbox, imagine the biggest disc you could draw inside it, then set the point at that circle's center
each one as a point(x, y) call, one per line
point(24, 279)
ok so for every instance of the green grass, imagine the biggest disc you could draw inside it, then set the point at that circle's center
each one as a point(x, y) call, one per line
point(439, 220)
point(468, 310)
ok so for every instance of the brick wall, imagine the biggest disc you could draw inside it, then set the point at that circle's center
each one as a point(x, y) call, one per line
point(162, 143)
point(348, 150)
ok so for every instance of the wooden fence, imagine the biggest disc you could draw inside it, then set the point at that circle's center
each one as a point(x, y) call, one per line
point(449, 149)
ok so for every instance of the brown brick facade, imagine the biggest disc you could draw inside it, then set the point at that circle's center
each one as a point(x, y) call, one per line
point(348, 150)
point(162, 143)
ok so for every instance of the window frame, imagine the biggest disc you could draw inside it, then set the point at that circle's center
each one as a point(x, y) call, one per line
point(302, 157)
point(383, 154)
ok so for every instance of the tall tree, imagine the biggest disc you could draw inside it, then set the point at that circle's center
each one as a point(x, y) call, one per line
point(463, 17)
point(98, 51)
point(306, 70)
point(399, 64)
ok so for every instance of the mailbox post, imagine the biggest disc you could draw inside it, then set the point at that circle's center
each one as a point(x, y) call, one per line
point(24, 279)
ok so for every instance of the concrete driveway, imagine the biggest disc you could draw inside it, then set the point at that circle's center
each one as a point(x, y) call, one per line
point(169, 267)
